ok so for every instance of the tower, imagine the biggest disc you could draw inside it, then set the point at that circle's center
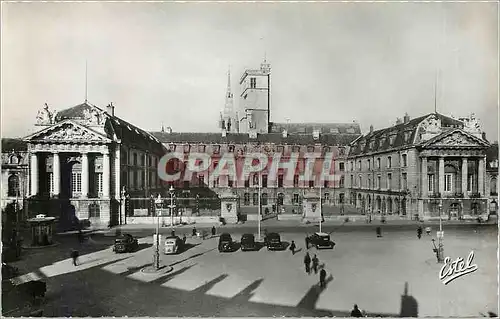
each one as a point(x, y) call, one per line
point(255, 99)
point(228, 121)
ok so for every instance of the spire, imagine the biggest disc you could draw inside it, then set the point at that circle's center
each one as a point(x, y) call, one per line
point(435, 93)
point(86, 81)
point(228, 113)
point(228, 93)
point(162, 128)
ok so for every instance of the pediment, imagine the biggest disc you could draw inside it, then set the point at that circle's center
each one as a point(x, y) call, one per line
point(68, 131)
point(456, 139)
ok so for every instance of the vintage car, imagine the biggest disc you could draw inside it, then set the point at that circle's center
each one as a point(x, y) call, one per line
point(248, 242)
point(273, 242)
point(321, 240)
point(125, 243)
point(226, 243)
point(173, 245)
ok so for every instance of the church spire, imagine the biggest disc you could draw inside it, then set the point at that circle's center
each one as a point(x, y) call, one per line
point(228, 115)
point(229, 94)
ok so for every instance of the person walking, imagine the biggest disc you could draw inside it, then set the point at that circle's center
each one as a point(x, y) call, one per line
point(356, 312)
point(193, 232)
point(74, 256)
point(213, 231)
point(292, 247)
point(307, 242)
point(307, 263)
point(315, 264)
point(419, 232)
point(322, 278)
point(379, 231)
point(184, 238)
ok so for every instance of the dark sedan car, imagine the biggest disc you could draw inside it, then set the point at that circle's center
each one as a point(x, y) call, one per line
point(321, 240)
point(273, 242)
point(226, 243)
point(125, 243)
point(248, 242)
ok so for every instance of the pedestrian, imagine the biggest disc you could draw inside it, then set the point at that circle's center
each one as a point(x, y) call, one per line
point(379, 231)
point(292, 247)
point(307, 242)
point(419, 232)
point(322, 278)
point(213, 231)
point(356, 312)
point(80, 236)
point(172, 233)
point(184, 238)
point(74, 256)
point(315, 264)
point(193, 233)
point(307, 263)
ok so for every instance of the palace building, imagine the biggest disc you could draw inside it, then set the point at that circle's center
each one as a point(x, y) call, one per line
point(85, 163)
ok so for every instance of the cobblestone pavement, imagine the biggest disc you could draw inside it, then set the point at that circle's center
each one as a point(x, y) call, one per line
point(366, 270)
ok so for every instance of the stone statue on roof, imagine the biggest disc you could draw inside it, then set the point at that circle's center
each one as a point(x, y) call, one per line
point(471, 124)
point(432, 125)
point(92, 116)
point(44, 116)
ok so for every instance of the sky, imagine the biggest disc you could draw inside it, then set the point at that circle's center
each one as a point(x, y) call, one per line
point(167, 63)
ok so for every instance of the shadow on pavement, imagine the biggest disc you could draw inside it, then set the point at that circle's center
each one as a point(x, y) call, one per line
point(191, 257)
point(170, 276)
point(409, 305)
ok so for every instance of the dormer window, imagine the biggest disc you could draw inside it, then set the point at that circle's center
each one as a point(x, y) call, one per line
point(310, 148)
point(362, 145)
point(186, 148)
point(407, 136)
point(392, 138)
point(216, 149)
point(296, 148)
point(326, 149)
point(316, 134)
point(280, 149)
point(14, 159)
point(201, 148)
point(231, 148)
point(334, 130)
point(172, 147)
point(372, 144)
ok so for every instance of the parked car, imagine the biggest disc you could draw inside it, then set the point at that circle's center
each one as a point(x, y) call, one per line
point(273, 242)
point(174, 245)
point(125, 243)
point(248, 242)
point(226, 243)
point(321, 240)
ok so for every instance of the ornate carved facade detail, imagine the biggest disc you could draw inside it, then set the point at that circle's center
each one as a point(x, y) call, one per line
point(69, 148)
point(93, 117)
point(45, 116)
point(471, 124)
point(456, 139)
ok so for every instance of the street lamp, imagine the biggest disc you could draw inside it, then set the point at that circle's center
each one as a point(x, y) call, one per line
point(440, 235)
point(172, 206)
point(260, 208)
point(320, 207)
point(156, 257)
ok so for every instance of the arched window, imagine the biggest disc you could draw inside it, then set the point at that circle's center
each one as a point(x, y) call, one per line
point(389, 205)
point(264, 199)
point(493, 186)
point(255, 201)
point(280, 198)
point(14, 159)
point(13, 186)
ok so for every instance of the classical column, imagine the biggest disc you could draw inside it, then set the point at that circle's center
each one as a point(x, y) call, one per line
point(56, 169)
point(85, 175)
point(117, 172)
point(105, 175)
point(34, 174)
point(480, 176)
point(464, 177)
point(441, 176)
point(425, 182)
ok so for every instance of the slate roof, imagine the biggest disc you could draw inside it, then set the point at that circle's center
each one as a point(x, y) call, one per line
point(242, 138)
point(324, 128)
point(125, 131)
point(398, 131)
point(14, 144)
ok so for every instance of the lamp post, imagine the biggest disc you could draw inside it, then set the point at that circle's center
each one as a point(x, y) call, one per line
point(320, 207)
point(260, 208)
point(440, 235)
point(172, 206)
point(156, 258)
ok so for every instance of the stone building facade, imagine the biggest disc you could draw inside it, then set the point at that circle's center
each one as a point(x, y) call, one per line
point(419, 166)
point(84, 160)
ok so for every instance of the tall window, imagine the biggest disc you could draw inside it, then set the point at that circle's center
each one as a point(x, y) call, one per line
point(341, 183)
point(430, 181)
point(369, 182)
point(369, 165)
point(448, 182)
point(201, 181)
point(378, 163)
point(253, 83)
point(255, 180)
point(359, 165)
point(311, 184)
point(296, 181)
point(295, 199)
point(246, 199)
point(136, 180)
point(341, 167)
point(13, 186)
point(255, 201)
point(135, 159)
point(351, 168)
point(247, 182)
point(264, 181)
point(360, 181)
point(98, 180)
point(280, 180)
point(379, 179)
point(389, 181)
point(264, 199)
point(229, 182)
point(326, 197)
point(470, 182)
point(352, 180)
point(50, 179)
point(389, 162)
point(405, 181)
point(405, 160)
point(76, 183)
point(493, 186)
point(325, 184)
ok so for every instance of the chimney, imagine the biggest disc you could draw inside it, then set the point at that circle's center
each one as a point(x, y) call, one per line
point(371, 128)
point(406, 119)
point(111, 109)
